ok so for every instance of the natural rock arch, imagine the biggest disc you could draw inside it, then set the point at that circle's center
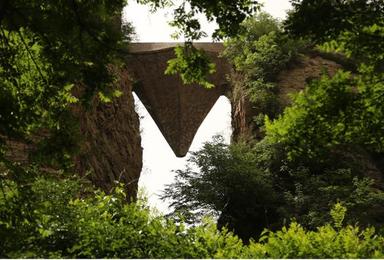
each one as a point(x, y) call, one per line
point(113, 144)
point(111, 150)
point(178, 110)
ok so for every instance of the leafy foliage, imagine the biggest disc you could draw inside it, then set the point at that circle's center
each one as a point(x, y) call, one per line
point(325, 242)
point(258, 54)
point(330, 112)
point(79, 38)
point(63, 218)
point(227, 14)
point(35, 215)
point(29, 97)
point(355, 26)
point(252, 187)
point(49, 50)
point(321, 111)
point(192, 64)
point(53, 218)
point(217, 181)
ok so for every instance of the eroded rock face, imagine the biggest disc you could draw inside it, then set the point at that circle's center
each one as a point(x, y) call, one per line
point(111, 150)
point(289, 81)
point(242, 113)
point(304, 70)
point(293, 80)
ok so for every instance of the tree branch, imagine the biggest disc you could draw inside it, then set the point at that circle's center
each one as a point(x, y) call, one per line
point(31, 56)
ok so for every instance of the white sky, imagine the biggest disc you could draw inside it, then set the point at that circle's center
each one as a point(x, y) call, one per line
point(154, 27)
point(158, 159)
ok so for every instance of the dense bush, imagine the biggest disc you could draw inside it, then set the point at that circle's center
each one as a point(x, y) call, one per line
point(250, 187)
point(325, 242)
point(228, 182)
point(328, 241)
point(259, 53)
point(62, 218)
point(342, 110)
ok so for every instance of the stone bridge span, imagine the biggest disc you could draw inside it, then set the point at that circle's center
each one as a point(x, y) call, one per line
point(112, 148)
point(177, 109)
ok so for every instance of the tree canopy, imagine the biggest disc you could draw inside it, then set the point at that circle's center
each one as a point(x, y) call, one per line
point(353, 27)
point(50, 49)
point(324, 148)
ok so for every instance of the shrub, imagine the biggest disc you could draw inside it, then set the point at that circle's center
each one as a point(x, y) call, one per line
point(325, 242)
point(54, 218)
point(227, 182)
point(259, 54)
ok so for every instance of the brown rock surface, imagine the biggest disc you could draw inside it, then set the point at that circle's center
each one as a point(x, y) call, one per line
point(110, 146)
point(177, 109)
point(305, 69)
point(291, 80)
point(242, 112)
point(111, 150)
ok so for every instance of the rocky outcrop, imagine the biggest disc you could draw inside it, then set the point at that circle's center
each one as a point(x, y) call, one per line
point(242, 114)
point(111, 147)
point(305, 69)
point(291, 80)
point(111, 150)
point(110, 142)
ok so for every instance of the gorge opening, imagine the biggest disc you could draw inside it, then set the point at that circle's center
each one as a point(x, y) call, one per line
point(159, 160)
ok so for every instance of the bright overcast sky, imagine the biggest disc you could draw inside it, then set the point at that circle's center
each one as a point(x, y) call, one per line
point(158, 158)
point(154, 27)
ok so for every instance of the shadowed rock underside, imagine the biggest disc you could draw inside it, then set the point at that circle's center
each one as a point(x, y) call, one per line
point(178, 110)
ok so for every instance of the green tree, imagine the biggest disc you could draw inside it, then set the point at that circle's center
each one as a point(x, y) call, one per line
point(226, 182)
point(191, 63)
point(354, 27)
point(252, 187)
point(259, 53)
point(51, 49)
point(68, 218)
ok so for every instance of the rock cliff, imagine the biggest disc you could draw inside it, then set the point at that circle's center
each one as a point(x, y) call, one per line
point(111, 147)
point(111, 150)
point(110, 143)
point(290, 80)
